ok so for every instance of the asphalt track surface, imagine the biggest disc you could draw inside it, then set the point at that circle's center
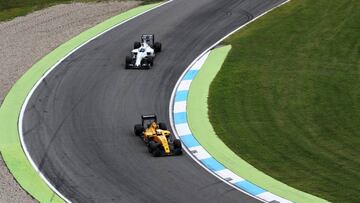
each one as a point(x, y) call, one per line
point(78, 125)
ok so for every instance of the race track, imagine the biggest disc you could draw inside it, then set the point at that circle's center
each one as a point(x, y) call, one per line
point(78, 125)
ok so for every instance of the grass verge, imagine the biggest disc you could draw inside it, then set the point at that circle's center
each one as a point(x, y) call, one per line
point(287, 99)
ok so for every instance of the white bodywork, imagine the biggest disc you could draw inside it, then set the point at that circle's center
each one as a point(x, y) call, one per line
point(144, 51)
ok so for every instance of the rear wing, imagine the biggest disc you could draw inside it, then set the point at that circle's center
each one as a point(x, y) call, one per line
point(149, 117)
point(150, 39)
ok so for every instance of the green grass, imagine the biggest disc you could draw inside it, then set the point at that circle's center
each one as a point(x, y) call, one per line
point(10, 9)
point(287, 99)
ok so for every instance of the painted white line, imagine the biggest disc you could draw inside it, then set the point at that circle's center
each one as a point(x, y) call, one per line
point(185, 85)
point(23, 108)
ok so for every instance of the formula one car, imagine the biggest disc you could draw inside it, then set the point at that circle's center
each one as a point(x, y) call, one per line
point(143, 54)
point(157, 137)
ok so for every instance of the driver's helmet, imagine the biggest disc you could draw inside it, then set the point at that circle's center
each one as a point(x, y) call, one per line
point(154, 125)
point(158, 132)
point(142, 50)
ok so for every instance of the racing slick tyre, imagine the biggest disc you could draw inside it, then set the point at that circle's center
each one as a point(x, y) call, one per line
point(157, 47)
point(138, 129)
point(156, 149)
point(128, 60)
point(146, 63)
point(151, 61)
point(137, 45)
point(177, 147)
point(152, 146)
point(162, 126)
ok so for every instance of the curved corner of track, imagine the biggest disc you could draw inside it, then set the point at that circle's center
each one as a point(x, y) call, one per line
point(78, 122)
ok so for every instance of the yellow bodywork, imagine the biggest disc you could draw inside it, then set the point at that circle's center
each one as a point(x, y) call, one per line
point(158, 135)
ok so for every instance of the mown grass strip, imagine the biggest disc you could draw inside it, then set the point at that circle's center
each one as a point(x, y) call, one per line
point(287, 99)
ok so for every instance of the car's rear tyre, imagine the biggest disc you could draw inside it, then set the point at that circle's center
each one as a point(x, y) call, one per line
point(128, 60)
point(137, 45)
point(138, 129)
point(157, 47)
point(162, 126)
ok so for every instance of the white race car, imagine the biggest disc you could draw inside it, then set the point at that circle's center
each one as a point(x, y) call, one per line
point(143, 54)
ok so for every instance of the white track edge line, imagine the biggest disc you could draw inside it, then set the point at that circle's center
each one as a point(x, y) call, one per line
point(23, 108)
point(180, 79)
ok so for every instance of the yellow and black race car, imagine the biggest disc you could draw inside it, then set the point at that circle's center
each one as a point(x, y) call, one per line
point(157, 138)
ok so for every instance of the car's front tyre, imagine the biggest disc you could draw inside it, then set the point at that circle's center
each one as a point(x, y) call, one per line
point(128, 61)
point(155, 148)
